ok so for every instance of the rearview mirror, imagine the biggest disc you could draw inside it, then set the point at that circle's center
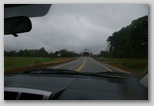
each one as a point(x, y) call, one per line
point(16, 25)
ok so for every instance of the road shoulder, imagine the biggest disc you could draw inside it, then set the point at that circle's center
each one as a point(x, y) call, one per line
point(115, 69)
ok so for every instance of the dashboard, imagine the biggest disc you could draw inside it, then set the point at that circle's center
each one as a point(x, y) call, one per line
point(71, 87)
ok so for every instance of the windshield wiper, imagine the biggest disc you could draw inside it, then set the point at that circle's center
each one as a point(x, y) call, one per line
point(64, 71)
point(114, 74)
point(49, 71)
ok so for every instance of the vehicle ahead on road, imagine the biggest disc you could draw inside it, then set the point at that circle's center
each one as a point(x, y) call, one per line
point(81, 79)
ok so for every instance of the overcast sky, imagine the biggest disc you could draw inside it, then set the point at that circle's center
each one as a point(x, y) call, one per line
point(76, 27)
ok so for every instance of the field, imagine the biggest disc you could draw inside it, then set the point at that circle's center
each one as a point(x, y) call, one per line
point(19, 63)
point(133, 65)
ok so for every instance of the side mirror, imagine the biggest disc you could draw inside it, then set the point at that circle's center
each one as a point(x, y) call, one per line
point(16, 25)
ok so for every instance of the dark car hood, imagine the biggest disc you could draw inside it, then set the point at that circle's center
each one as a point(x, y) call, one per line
point(75, 87)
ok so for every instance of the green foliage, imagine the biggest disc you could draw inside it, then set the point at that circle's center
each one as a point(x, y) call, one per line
point(66, 53)
point(28, 53)
point(131, 41)
point(40, 53)
point(104, 54)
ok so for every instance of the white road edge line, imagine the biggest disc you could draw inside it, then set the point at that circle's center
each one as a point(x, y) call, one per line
point(100, 64)
point(66, 63)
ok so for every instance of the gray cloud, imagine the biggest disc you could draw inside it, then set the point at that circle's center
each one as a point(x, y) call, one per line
point(76, 27)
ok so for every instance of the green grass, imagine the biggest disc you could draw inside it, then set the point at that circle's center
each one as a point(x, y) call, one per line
point(133, 65)
point(16, 64)
point(24, 61)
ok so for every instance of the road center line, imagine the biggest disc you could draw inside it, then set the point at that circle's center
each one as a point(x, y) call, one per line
point(101, 64)
point(81, 66)
point(66, 63)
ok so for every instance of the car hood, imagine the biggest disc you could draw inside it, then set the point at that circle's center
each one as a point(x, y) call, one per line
point(76, 87)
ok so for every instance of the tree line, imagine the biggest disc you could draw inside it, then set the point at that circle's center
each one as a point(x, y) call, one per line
point(129, 42)
point(41, 53)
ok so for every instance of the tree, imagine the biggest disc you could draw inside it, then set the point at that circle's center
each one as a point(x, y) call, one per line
point(130, 41)
point(41, 53)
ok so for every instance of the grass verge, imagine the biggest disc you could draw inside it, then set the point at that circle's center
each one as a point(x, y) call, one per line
point(16, 64)
point(132, 65)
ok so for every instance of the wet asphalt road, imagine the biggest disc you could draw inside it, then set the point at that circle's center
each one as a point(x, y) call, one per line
point(83, 64)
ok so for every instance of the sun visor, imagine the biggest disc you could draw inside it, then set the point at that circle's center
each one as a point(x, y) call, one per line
point(29, 10)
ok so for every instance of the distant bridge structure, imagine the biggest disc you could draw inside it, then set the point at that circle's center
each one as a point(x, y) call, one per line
point(86, 53)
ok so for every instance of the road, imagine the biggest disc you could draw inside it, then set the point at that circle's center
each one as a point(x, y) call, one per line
point(83, 64)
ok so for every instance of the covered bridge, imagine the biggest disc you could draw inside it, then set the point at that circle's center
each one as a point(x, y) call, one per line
point(86, 52)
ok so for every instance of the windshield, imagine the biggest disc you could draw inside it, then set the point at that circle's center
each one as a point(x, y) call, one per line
point(83, 38)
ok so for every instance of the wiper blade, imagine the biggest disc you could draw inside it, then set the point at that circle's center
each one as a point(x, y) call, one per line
point(64, 71)
point(114, 74)
point(49, 71)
